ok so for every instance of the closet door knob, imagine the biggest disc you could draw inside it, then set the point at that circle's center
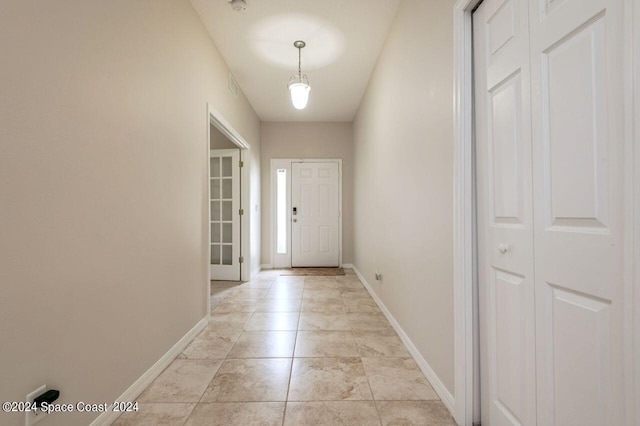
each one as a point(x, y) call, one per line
point(503, 248)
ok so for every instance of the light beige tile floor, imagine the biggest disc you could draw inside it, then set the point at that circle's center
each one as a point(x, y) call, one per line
point(292, 350)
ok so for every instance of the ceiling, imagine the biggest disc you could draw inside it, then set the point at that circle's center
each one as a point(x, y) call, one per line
point(344, 38)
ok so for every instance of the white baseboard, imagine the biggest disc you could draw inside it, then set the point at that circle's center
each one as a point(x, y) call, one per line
point(436, 383)
point(150, 375)
point(347, 265)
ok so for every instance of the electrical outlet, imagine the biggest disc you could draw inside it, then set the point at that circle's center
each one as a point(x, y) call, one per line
point(34, 416)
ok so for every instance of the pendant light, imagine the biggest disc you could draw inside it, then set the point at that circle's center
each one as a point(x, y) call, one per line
point(299, 84)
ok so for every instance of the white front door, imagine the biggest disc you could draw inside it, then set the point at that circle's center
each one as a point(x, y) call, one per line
point(315, 214)
point(224, 201)
point(550, 164)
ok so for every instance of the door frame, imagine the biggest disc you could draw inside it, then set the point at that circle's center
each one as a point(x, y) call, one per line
point(632, 200)
point(465, 274)
point(285, 163)
point(466, 349)
point(215, 118)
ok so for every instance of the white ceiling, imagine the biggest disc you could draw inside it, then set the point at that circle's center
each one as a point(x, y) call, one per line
point(344, 38)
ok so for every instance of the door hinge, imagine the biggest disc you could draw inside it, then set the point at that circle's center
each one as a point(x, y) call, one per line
point(241, 164)
point(241, 211)
point(241, 259)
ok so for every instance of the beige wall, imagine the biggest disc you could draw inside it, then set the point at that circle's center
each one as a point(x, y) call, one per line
point(103, 190)
point(255, 207)
point(308, 140)
point(219, 141)
point(403, 138)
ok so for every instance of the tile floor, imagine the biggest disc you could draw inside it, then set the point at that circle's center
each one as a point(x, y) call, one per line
point(290, 350)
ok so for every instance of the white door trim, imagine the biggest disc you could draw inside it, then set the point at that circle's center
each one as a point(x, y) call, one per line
point(280, 163)
point(465, 255)
point(464, 239)
point(215, 118)
point(632, 196)
point(276, 260)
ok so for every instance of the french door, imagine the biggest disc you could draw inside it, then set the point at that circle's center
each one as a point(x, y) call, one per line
point(549, 156)
point(315, 214)
point(224, 169)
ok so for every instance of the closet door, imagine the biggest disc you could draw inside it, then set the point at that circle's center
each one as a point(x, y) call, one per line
point(577, 123)
point(505, 222)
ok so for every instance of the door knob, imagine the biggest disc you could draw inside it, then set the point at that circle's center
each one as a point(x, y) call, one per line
point(295, 220)
point(503, 248)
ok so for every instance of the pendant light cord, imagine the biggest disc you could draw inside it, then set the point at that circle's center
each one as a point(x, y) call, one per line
point(299, 61)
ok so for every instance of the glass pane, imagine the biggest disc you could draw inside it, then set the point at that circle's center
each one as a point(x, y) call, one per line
point(281, 213)
point(226, 189)
point(226, 255)
point(215, 232)
point(215, 254)
point(226, 233)
point(215, 189)
point(226, 166)
point(215, 166)
point(226, 210)
point(215, 210)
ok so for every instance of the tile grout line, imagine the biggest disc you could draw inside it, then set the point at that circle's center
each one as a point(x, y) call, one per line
point(373, 397)
point(293, 355)
point(206, 388)
point(190, 413)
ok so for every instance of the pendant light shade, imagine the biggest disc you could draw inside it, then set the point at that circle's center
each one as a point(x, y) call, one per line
point(299, 84)
point(299, 88)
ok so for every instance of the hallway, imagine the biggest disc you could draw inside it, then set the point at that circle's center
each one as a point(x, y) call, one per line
point(486, 207)
point(292, 350)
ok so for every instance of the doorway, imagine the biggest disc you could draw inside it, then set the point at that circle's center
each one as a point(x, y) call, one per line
point(549, 139)
point(228, 193)
point(563, 34)
point(306, 205)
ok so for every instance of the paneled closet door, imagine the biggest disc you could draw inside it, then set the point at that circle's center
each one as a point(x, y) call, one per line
point(505, 222)
point(577, 120)
point(567, 164)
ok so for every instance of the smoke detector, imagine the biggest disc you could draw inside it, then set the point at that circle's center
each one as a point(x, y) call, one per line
point(238, 5)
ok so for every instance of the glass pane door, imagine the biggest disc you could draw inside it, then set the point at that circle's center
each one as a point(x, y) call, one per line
point(224, 204)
